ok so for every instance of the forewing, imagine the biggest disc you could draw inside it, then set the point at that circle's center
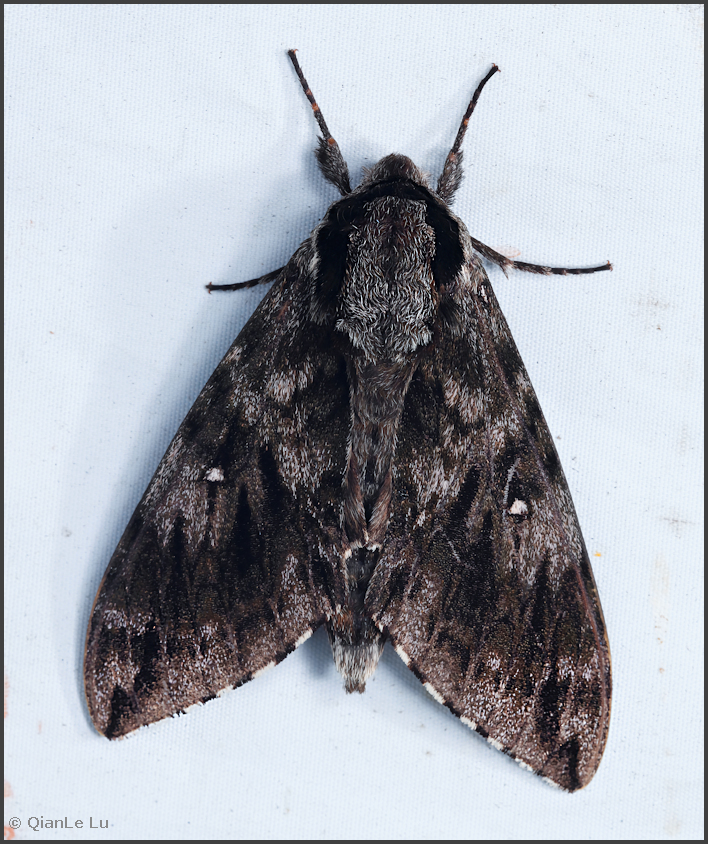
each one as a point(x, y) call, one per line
point(484, 583)
point(231, 558)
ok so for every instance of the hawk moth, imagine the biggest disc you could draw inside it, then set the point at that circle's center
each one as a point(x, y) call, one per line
point(369, 455)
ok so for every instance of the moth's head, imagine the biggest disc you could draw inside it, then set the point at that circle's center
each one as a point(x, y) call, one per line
point(394, 166)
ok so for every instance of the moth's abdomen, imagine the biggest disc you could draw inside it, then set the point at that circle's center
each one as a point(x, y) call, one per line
point(385, 310)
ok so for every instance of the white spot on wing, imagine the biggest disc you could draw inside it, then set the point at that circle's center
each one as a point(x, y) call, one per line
point(234, 354)
point(404, 656)
point(262, 670)
point(496, 744)
point(314, 263)
point(509, 476)
point(224, 691)
point(281, 386)
point(518, 508)
point(305, 636)
point(215, 474)
point(434, 693)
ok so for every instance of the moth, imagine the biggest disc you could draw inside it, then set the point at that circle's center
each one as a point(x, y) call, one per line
point(370, 456)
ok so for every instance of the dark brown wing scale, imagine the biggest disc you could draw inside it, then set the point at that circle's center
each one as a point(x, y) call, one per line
point(229, 561)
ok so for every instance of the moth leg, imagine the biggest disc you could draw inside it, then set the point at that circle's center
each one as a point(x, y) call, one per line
point(506, 263)
point(242, 285)
point(329, 157)
point(451, 176)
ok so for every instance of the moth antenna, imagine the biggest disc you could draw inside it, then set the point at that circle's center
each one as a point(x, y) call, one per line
point(329, 157)
point(451, 176)
point(242, 285)
point(507, 264)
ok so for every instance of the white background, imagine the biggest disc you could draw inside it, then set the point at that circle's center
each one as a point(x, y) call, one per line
point(153, 149)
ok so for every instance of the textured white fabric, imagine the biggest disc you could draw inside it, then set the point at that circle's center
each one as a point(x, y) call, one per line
point(152, 149)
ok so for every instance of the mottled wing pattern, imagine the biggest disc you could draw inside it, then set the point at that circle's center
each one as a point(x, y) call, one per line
point(484, 584)
point(231, 558)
